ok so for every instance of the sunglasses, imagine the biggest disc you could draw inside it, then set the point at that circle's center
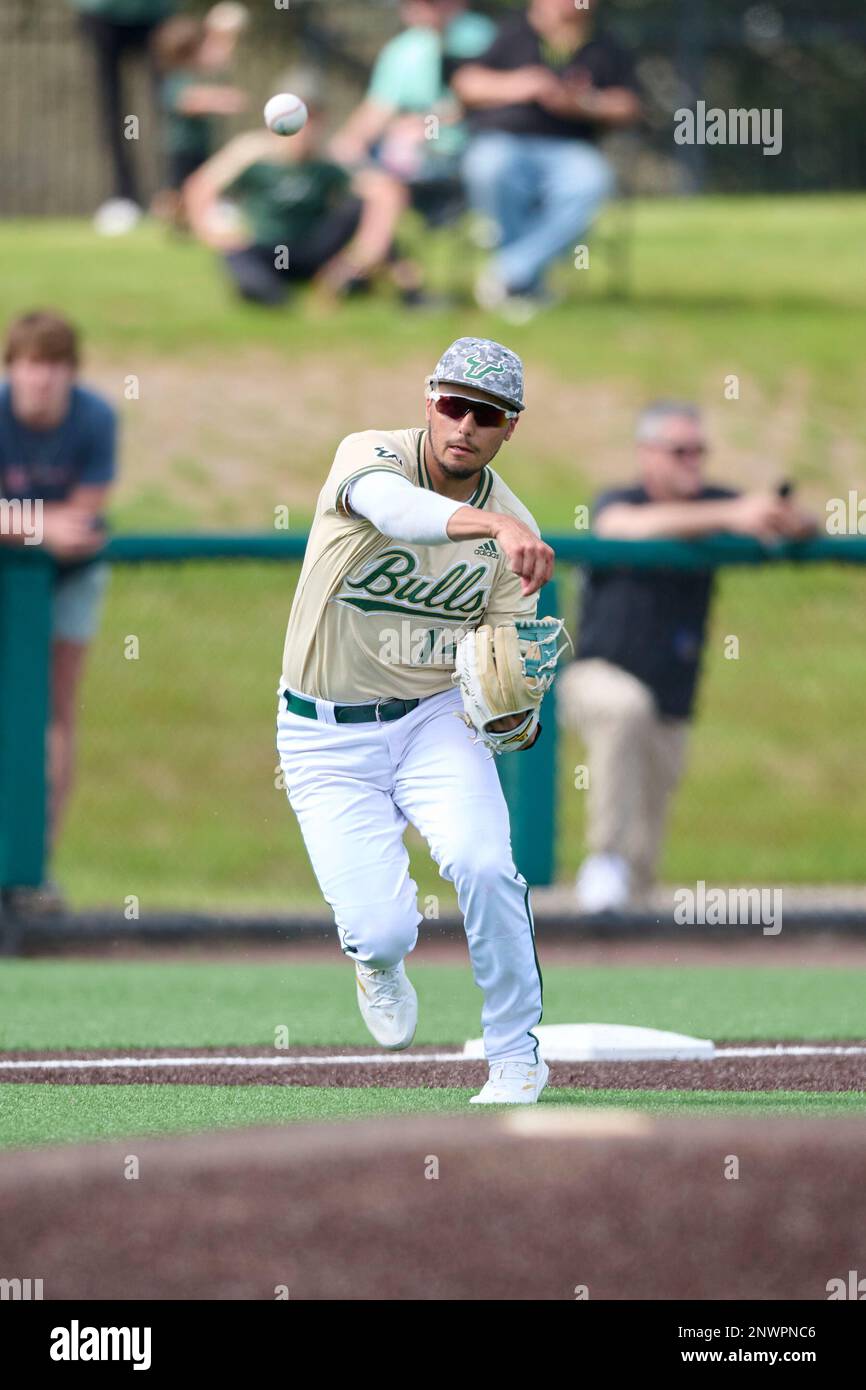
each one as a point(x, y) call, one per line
point(487, 416)
point(686, 451)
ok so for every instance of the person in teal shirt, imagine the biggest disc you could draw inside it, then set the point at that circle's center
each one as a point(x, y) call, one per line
point(408, 127)
point(409, 122)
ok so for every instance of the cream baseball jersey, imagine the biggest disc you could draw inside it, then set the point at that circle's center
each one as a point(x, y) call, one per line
point(374, 617)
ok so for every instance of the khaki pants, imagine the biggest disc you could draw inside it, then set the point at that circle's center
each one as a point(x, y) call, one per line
point(635, 760)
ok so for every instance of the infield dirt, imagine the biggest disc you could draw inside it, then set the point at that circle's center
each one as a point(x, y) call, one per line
point(822, 1070)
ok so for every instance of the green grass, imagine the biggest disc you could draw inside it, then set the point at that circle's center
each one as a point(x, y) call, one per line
point(93, 1004)
point(31, 1115)
point(176, 802)
point(702, 267)
point(771, 793)
point(178, 765)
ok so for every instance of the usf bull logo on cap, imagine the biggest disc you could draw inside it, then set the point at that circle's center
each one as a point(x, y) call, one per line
point(478, 370)
point(486, 365)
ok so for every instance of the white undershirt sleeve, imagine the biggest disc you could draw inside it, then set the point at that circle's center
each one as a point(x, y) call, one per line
point(400, 510)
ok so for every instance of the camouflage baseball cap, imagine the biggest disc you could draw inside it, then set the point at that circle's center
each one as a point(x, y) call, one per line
point(484, 365)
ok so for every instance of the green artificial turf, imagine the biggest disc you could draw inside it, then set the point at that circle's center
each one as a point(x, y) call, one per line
point(49, 1114)
point(92, 1004)
point(75, 1005)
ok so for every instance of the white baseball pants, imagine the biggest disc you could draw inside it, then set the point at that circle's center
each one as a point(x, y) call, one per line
point(356, 787)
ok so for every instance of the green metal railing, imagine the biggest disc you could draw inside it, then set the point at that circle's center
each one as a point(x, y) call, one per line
point(25, 642)
point(26, 577)
point(577, 548)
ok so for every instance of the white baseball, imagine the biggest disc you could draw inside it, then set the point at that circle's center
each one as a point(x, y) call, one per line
point(286, 114)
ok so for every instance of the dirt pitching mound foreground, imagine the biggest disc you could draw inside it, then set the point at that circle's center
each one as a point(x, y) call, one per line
point(546, 1203)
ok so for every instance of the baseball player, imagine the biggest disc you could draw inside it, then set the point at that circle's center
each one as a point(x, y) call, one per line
point(412, 656)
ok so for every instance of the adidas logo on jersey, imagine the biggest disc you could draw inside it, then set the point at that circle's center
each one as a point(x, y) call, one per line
point(488, 549)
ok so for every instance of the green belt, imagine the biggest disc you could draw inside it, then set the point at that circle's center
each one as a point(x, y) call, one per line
point(380, 711)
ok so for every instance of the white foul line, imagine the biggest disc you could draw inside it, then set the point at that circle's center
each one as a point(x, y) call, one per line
point(794, 1050)
point(121, 1063)
point(377, 1058)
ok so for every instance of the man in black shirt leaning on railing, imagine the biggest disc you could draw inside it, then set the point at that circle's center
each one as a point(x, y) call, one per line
point(630, 692)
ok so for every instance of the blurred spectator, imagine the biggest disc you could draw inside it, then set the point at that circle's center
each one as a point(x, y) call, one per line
point(630, 693)
point(302, 217)
point(114, 29)
point(57, 446)
point(409, 125)
point(193, 56)
point(409, 86)
point(539, 99)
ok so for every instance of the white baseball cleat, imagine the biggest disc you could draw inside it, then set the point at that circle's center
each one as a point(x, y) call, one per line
point(513, 1083)
point(388, 1004)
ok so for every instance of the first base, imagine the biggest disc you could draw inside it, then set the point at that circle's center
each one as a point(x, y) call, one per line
point(609, 1042)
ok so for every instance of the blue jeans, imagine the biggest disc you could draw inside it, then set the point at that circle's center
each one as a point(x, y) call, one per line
point(541, 192)
point(78, 595)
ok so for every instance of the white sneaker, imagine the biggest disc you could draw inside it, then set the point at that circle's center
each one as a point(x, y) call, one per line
point(603, 884)
point(388, 1004)
point(519, 309)
point(490, 293)
point(117, 217)
point(513, 1083)
point(483, 232)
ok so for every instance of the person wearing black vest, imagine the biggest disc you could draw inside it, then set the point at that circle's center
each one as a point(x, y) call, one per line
point(631, 690)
